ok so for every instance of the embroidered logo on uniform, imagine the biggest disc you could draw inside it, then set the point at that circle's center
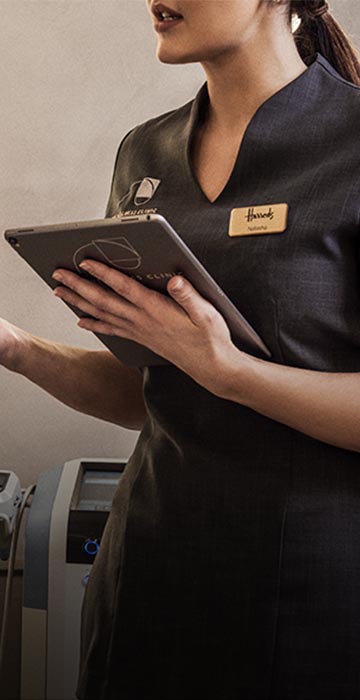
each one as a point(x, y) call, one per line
point(134, 212)
point(266, 218)
point(119, 252)
point(146, 190)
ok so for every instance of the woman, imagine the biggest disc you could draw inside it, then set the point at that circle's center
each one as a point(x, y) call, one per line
point(229, 566)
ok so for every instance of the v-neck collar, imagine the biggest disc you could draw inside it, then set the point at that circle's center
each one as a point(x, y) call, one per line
point(288, 96)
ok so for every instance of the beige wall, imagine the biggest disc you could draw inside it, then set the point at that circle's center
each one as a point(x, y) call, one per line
point(75, 76)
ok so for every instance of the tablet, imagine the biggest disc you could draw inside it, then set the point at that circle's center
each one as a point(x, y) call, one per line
point(145, 247)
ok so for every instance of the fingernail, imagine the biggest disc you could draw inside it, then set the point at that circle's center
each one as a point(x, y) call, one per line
point(57, 276)
point(85, 266)
point(179, 283)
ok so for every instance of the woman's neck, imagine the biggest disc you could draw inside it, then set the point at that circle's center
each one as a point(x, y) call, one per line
point(239, 83)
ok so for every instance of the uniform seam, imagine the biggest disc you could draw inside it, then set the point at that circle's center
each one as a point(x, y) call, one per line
point(115, 167)
point(278, 585)
point(277, 331)
point(104, 695)
point(339, 78)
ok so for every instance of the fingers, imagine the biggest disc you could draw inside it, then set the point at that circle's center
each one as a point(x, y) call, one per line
point(199, 309)
point(102, 327)
point(91, 292)
point(130, 289)
point(85, 288)
point(128, 300)
point(74, 299)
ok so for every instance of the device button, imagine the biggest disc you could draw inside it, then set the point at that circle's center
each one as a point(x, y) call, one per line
point(85, 579)
point(91, 547)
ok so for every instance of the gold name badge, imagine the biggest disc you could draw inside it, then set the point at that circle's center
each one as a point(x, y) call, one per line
point(255, 220)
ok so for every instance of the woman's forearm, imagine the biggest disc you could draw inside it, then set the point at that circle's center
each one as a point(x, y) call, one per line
point(92, 382)
point(323, 405)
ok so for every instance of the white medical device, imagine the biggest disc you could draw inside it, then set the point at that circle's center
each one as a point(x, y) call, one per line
point(69, 510)
point(10, 500)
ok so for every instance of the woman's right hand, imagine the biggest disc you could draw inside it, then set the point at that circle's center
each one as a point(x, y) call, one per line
point(12, 339)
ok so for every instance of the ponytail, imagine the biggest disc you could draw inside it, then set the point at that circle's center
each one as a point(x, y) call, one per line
point(319, 31)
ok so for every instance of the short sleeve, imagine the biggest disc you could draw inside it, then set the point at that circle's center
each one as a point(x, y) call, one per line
point(111, 207)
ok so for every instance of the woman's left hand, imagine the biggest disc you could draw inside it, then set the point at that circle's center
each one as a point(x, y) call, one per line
point(185, 329)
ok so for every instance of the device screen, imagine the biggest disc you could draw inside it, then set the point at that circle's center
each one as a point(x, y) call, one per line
point(4, 478)
point(97, 489)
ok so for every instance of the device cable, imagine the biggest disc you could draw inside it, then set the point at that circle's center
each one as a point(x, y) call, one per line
point(10, 573)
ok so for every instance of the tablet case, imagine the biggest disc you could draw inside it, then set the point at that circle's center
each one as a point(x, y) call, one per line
point(145, 247)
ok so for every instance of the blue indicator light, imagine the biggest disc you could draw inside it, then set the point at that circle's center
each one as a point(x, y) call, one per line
point(91, 547)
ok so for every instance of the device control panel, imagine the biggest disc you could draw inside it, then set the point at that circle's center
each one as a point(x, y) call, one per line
point(90, 507)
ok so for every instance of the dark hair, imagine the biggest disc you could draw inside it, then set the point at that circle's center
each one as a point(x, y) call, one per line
point(320, 32)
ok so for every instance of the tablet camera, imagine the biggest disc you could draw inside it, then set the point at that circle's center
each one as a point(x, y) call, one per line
point(14, 242)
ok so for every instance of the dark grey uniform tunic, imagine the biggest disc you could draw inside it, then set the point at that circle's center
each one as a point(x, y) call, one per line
point(230, 564)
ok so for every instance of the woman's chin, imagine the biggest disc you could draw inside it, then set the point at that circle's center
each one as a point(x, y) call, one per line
point(167, 52)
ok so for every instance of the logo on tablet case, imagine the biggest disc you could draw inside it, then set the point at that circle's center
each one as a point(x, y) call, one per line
point(146, 190)
point(119, 252)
